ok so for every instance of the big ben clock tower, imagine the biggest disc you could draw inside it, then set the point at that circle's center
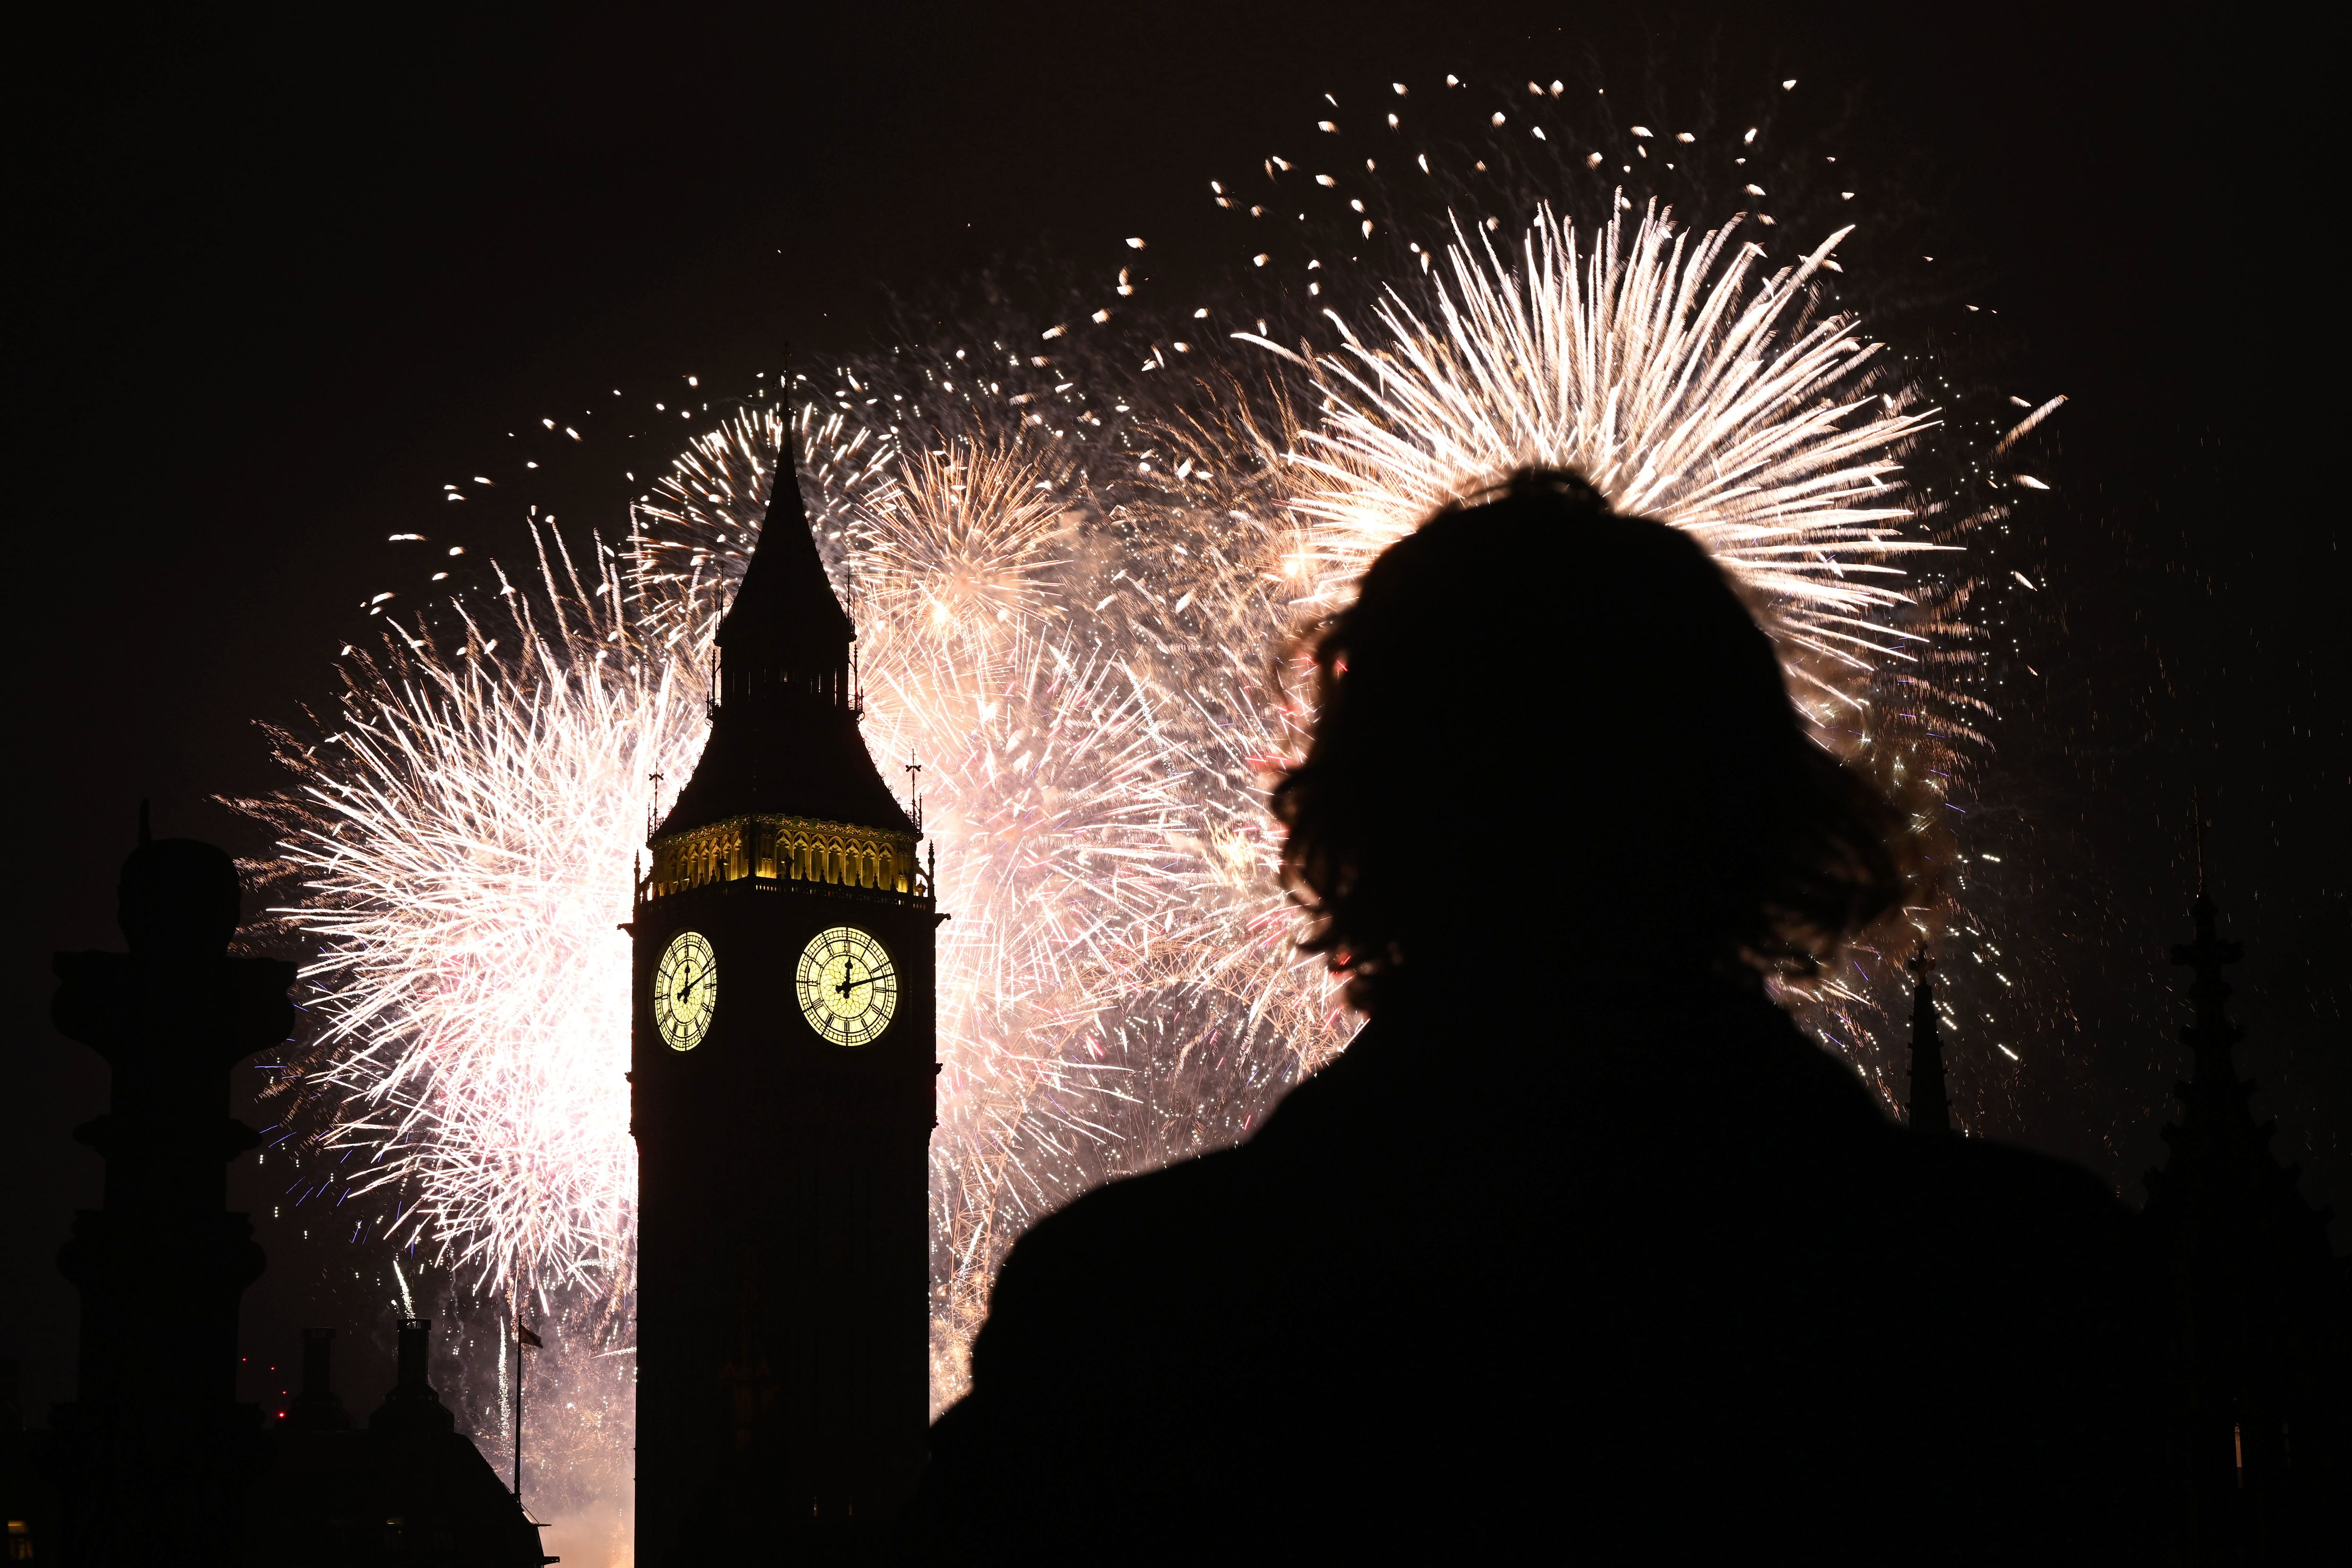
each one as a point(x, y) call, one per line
point(781, 1055)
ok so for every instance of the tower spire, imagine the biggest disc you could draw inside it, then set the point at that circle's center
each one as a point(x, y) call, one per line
point(1931, 1106)
point(785, 603)
point(2211, 1034)
point(2197, 835)
point(784, 728)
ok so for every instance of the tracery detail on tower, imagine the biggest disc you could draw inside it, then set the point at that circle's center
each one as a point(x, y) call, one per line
point(786, 849)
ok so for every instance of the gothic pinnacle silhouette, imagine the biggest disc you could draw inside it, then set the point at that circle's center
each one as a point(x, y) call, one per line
point(1930, 1110)
point(2257, 1380)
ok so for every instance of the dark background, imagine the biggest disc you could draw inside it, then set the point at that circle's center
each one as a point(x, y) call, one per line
point(277, 282)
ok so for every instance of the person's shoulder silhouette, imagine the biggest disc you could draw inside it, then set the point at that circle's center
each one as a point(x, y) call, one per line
point(1581, 1246)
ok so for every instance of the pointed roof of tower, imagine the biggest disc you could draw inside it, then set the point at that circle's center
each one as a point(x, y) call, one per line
point(784, 734)
point(786, 600)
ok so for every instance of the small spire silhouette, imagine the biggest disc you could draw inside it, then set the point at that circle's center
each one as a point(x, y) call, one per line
point(1931, 1109)
point(2197, 835)
point(2212, 1034)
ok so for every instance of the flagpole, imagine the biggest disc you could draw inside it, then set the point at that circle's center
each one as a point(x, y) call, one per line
point(518, 1404)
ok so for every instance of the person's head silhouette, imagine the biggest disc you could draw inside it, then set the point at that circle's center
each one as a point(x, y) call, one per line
point(1547, 732)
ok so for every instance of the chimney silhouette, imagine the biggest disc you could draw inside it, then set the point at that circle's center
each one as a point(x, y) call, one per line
point(316, 1408)
point(412, 1402)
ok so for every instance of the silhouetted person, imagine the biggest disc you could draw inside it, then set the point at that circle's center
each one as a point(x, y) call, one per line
point(1581, 1251)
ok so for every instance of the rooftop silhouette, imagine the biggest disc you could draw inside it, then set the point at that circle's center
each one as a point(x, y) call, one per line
point(405, 1489)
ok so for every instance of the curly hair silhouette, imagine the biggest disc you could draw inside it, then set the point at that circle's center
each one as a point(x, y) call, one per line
point(1528, 663)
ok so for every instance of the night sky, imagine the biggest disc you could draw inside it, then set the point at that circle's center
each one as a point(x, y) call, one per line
point(278, 283)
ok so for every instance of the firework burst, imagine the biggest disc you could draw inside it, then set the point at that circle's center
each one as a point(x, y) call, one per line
point(462, 831)
point(692, 533)
point(1656, 365)
point(961, 563)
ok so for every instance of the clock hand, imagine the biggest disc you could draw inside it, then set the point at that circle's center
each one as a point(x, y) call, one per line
point(869, 980)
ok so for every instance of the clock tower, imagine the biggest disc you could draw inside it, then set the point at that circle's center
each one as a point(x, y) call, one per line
point(783, 1102)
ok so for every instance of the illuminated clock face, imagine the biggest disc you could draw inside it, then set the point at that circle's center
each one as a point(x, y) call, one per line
point(685, 989)
point(848, 987)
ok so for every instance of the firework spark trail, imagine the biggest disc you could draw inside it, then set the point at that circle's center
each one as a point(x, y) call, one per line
point(463, 836)
point(1656, 369)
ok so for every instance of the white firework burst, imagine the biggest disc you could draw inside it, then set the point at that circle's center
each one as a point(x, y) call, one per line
point(461, 836)
point(1683, 387)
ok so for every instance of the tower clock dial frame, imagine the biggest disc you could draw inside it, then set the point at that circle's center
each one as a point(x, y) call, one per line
point(685, 990)
point(848, 985)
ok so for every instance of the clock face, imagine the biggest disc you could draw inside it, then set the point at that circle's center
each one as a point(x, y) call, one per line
point(848, 987)
point(685, 989)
